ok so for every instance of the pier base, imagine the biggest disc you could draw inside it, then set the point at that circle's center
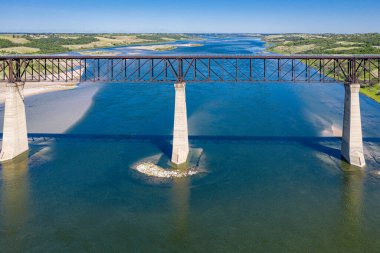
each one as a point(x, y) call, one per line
point(352, 140)
point(15, 139)
point(180, 133)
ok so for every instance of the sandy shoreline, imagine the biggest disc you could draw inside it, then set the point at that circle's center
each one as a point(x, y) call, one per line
point(54, 107)
point(36, 88)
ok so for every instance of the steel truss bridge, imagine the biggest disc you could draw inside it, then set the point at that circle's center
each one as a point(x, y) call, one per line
point(364, 69)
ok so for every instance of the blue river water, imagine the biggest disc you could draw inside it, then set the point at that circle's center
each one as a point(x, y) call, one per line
point(273, 179)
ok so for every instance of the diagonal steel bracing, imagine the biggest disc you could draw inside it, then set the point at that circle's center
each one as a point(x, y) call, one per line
point(363, 69)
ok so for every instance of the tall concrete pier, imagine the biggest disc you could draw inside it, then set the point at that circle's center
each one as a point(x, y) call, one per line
point(352, 140)
point(15, 139)
point(180, 133)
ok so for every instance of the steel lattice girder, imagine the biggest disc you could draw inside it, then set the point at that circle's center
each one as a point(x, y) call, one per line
point(192, 68)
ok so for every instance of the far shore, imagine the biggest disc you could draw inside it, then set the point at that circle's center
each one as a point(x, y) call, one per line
point(163, 47)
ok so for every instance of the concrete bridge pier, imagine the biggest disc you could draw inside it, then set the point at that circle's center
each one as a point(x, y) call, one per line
point(352, 140)
point(180, 151)
point(15, 139)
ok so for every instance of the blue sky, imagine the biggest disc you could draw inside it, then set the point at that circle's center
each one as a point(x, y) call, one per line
point(265, 16)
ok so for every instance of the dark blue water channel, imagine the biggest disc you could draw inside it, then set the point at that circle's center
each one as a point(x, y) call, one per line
point(273, 179)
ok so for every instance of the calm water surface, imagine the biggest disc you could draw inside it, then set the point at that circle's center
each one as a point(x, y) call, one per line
point(273, 179)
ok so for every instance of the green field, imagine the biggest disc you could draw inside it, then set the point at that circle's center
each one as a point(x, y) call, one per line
point(372, 92)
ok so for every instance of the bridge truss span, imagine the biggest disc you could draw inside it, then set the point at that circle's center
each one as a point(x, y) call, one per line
point(363, 69)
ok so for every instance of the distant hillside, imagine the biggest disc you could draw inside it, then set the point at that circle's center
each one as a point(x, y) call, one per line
point(324, 43)
point(60, 43)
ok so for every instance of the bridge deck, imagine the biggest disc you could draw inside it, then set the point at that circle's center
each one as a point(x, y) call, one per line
point(191, 68)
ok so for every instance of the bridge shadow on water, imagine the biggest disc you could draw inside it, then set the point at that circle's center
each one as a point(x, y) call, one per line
point(163, 142)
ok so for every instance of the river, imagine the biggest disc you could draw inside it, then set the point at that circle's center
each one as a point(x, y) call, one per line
point(272, 178)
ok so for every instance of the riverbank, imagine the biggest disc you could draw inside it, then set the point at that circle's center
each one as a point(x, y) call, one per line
point(55, 108)
point(36, 88)
point(372, 92)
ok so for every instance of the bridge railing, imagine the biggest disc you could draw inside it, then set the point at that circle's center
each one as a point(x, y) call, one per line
point(204, 68)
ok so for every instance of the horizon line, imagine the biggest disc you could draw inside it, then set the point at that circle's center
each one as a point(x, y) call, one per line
point(242, 33)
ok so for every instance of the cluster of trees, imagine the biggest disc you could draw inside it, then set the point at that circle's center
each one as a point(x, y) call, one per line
point(54, 43)
point(6, 43)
